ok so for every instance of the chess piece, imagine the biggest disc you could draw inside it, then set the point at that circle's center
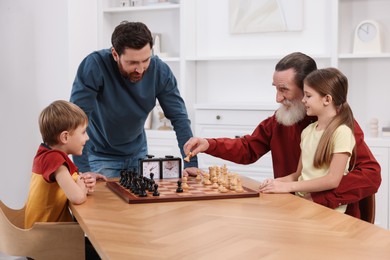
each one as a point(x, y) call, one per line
point(239, 187)
point(122, 179)
point(179, 188)
point(151, 182)
point(184, 183)
point(206, 180)
point(215, 183)
point(198, 176)
point(188, 157)
point(155, 192)
point(374, 127)
point(156, 45)
point(164, 120)
point(142, 190)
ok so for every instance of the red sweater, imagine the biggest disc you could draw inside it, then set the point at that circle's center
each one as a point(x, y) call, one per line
point(284, 141)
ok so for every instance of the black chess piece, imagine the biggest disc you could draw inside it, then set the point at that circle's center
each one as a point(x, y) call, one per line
point(155, 192)
point(122, 179)
point(136, 185)
point(133, 181)
point(179, 188)
point(151, 182)
point(127, 181)
point(142, 190)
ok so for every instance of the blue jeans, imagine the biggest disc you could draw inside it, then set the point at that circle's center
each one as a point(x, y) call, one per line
point(111, 167)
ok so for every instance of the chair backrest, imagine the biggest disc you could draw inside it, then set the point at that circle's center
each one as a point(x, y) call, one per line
point(54, 240)
point(15, 216)
point(367, 209)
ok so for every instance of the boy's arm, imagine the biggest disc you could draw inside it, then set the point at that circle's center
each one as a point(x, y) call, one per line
point(75, 191)
point(90, 179)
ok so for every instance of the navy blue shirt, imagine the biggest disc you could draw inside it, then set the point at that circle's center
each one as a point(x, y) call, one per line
point(117, 108)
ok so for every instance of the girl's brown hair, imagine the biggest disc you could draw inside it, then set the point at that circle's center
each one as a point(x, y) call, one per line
point(331, 81)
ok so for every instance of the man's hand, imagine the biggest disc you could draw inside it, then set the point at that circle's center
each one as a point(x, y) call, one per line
point(191, 171)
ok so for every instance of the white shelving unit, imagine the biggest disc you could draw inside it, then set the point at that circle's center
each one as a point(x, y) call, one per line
point(214, 67)
point(367, 80)
point(163, 19)
point(380, 147)
point(365, 72)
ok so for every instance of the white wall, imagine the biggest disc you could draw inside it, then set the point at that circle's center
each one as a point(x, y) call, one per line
point(43, 41)
point(250, 80)
point(35, 69)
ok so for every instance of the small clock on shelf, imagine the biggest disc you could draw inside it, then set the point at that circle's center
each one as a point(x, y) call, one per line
point(150, 165)
point(170, 167)
point(368, 38)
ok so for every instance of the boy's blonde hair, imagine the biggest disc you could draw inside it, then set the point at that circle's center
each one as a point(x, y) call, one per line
point(60, 116)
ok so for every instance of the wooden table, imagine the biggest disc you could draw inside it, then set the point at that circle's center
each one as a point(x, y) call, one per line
point(272, 226)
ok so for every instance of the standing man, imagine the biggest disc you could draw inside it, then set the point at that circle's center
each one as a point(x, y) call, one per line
point(281, 134)
point(117, 88)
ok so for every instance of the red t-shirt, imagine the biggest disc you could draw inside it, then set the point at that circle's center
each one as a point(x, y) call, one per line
point(46, 200)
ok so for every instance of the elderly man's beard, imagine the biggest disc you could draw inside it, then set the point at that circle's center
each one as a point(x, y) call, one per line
point(290, 112)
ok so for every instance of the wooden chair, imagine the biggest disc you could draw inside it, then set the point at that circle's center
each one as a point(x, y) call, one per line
point(367, 209)
point(51, 240)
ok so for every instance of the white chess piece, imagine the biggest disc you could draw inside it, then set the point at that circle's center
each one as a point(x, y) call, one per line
point(156, 45)
point(374, 127)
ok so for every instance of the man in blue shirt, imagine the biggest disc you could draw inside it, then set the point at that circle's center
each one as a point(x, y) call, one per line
point(117, 88)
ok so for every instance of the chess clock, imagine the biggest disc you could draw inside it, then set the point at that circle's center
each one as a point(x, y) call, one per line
point(170, 167)
point(367, 37)
point(150, 165)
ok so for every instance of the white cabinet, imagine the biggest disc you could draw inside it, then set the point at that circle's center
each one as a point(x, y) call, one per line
point(213, 121)
point(162, 143)
point(381, 150)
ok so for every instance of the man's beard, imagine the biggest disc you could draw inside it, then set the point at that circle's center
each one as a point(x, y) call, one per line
point(290, 112)
point(132, 76)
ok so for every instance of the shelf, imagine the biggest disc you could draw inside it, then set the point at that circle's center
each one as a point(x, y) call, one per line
point(164, 6)
point(364, 55)
point(169, 59)
point(237, 106)
point(239, 58)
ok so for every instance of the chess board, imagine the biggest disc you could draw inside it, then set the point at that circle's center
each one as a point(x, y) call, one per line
point(167, 189)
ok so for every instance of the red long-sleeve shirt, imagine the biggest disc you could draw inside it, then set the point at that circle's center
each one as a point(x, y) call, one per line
point(283, 142)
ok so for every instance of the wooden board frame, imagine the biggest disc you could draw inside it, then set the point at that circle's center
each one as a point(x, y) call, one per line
point(131, 198)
